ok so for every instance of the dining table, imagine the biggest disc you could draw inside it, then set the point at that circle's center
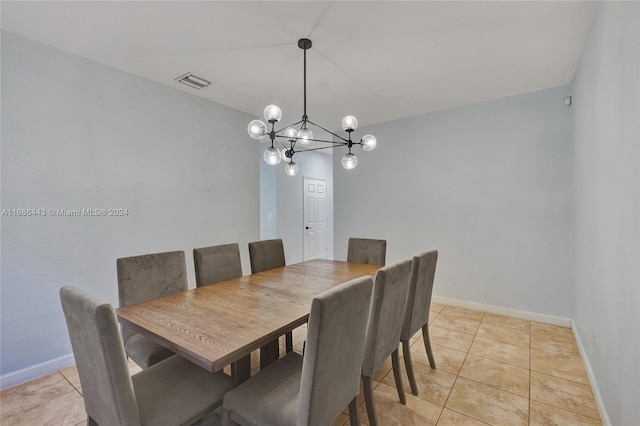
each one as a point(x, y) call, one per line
point(218, 325)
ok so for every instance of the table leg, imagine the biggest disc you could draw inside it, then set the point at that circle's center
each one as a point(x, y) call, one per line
point(269, 353)
point(241, 370)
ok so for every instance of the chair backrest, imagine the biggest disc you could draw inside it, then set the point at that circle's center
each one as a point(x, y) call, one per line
point(107, 387)
point(386, 315)
point(217, 263)
point(363, 250)
point(266, 254)
point(423, 270)
point(334, 350)
point(149, 276)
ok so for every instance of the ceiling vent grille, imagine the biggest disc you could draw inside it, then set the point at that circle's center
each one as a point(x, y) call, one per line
point(193, 81)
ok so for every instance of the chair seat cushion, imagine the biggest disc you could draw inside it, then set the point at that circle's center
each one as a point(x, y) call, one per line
point(144, 351)
point(270, 398)
point(176, 391)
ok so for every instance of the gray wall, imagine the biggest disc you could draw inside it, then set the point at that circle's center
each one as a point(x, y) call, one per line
point(607, 208)
point(488, 185)
point(282, 199)
point(290, 202)
point(77, 134)
point(268, 195)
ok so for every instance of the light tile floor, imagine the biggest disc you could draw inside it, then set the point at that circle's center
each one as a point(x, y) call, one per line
point(491, 369)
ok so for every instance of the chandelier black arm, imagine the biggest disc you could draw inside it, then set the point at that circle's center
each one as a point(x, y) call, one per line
point(317, 140)
point(290, 125)
point(328, 131)
point(313, 149)
point(281, 143)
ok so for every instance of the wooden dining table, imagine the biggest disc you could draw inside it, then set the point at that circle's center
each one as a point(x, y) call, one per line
point(219, 325)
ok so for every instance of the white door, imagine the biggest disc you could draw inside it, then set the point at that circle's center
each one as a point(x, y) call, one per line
point(315, 218)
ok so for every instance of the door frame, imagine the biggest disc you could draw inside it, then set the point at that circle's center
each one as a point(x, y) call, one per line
point(304, 207)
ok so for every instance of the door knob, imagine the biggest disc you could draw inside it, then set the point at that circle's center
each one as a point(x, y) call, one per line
point(306, 227)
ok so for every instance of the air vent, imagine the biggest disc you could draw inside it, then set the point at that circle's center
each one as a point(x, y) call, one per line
point(193, 81)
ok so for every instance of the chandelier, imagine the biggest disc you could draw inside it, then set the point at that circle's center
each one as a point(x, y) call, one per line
point(291, 137)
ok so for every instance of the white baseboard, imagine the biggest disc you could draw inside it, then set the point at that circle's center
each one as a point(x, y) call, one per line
point(606, 421)
point(499, 310)
point(35, 371)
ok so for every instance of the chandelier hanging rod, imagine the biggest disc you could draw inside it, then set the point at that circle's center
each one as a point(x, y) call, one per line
point(304, 44)
point(258, 130)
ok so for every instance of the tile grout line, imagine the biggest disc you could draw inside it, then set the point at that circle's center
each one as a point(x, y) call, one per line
point(454, 382)
point(21, 412)
point(489, 385)
point(69, 381)
point(458, 376)
point(564, 408)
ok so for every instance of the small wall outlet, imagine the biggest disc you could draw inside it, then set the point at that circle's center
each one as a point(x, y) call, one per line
point(597, 337)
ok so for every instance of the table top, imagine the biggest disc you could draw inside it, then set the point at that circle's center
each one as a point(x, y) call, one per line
point(216, 325)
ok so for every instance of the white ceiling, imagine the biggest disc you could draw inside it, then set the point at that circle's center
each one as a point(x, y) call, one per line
point(376, 60)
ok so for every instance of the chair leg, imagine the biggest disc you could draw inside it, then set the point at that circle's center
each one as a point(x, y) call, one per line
point(408, 365)
point(368, 400)
point(395, 362)
point(226, 417)
point(289, 341)
point(427, 345)
point(354, 419)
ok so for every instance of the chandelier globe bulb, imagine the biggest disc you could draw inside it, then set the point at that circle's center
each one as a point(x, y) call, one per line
point(304, 136)
point(291, 168)
point(349, 123)
point(369, 142)
point(283, 154)
point(257, 129)
point(272, 156)
point(272, 113)
point(349, 161)
point(291, 133)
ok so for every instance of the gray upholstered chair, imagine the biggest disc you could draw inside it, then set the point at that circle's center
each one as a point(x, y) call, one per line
point(217, 263)
point(423, 269)
point(265, 255)
point(363, 250)
point(384, 327)
point(171, 392)
point(142, 278)
point(314, 389)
